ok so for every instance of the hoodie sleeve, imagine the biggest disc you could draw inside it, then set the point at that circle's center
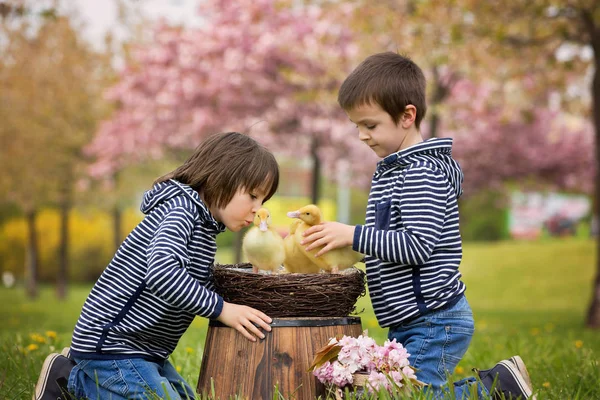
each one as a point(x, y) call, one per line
point(167, 276)
point(423, 202)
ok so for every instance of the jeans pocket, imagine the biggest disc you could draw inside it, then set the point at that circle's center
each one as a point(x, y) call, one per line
point(382, 215)
point(458, 337)
point(107, 375)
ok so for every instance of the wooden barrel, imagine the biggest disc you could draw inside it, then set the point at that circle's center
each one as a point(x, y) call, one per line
point(238, 366)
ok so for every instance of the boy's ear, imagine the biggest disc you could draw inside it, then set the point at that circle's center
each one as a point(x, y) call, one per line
point(408, 116)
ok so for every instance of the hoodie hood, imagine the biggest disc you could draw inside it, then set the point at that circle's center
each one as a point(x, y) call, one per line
point(436, 151)
point(165, 191)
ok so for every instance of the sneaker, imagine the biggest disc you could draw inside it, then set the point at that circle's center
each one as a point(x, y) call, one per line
point(55, 372)
point(511, 379)
point(67, 352)
point(518, 362)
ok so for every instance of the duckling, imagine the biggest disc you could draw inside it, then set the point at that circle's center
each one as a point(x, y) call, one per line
point(296, 260)
point(263, 245)
point(334, 260)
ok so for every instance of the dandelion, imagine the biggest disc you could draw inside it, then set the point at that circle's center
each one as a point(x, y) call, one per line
point(546, 384)
point(51, 334)
point(459, 370)
point(535, 331)
point(36, 337)
point(579, 344)
point(549, 327)
point(189, 350)
point(32, 347)
point(178, 369)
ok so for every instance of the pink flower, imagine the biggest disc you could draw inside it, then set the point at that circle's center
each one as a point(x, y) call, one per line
point(377, 380)
point(324, 373)
point(341, 374)
point(387, 365)
point(409, 372)
point(397, 377)
point(398, 358)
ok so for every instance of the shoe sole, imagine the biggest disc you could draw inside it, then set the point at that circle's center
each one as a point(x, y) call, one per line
point(519, 378)
point(522, 369)
point(43, 379)
point(67, 352)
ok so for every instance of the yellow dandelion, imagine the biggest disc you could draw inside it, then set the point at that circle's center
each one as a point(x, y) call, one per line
point(36, 337)
point(189, 350)
point(32, 347)
point(579, 344)
point(546, 384)
point(51, 334)
point(178, 369)
point(459, 370)
point(549, 327)
point(534, 331)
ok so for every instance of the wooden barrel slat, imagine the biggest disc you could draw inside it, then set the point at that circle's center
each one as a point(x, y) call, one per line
point(252, 369)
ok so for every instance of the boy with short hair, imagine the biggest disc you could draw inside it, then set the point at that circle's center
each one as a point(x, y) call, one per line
point(411, 237)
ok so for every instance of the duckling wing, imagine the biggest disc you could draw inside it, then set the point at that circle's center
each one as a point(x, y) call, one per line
point(342, 258)
point(296, 260)
point(264, 250)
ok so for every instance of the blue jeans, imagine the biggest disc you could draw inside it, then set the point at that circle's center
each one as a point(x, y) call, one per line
point(436, 343)
point(133, 378)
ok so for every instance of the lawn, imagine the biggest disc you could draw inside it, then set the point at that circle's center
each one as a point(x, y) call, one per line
point(529, 298)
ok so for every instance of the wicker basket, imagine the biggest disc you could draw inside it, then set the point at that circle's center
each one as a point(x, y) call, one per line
point(290, 295)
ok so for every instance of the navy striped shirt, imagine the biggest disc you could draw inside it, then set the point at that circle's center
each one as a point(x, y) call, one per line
point(157, 282)
point(411, 237)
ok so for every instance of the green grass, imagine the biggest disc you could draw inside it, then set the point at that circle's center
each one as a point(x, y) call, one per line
point(529, 298)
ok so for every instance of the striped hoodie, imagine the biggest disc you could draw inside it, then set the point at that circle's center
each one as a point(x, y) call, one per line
point(411, 238)
point(157, 282)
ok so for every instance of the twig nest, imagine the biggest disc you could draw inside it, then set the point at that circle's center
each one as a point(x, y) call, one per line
point(290, 295)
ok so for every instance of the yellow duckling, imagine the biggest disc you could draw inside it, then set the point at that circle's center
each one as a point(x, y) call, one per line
point(262, 244)
point(334, 260)
point(296, 260)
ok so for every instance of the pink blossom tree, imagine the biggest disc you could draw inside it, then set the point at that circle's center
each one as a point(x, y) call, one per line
point(499, 143)
point(251, 61)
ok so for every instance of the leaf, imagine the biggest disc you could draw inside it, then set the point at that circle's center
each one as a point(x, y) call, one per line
point(326, 353)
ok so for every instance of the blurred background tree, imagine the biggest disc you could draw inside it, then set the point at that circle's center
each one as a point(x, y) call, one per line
point(52, 83)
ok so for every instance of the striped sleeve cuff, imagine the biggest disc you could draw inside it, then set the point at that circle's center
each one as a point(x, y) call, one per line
point(218, 308)
point(356, 240)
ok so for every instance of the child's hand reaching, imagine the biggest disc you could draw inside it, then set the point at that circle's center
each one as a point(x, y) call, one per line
point(331, 235)
point(243, 319)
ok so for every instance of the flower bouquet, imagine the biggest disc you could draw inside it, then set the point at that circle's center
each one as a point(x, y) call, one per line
point(359, 363)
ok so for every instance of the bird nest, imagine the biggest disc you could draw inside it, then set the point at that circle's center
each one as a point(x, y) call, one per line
point(290, 295)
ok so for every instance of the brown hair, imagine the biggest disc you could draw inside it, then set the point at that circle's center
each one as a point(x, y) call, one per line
point(225, 163)
point(388, 79)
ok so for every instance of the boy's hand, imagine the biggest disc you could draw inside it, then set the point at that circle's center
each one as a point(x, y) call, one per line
point(330, 235)
point(243, 319)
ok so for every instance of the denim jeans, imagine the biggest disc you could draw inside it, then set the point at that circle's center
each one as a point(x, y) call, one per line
point(133, 378)
point(436, 343)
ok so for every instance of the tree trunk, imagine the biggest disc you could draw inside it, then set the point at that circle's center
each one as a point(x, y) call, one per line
point(31, 255)
point(63, 251)
point(593, 316)
point(117, 220)
point(316, 172)
point(434, 124)
point(117, 216)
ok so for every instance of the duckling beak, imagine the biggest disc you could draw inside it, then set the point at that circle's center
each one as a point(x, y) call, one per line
point(294, 214)
point(263, 226)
